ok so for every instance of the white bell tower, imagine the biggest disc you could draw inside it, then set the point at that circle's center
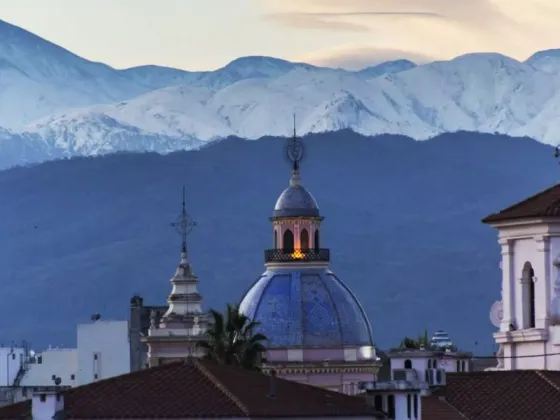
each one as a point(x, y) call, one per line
point(528, 315)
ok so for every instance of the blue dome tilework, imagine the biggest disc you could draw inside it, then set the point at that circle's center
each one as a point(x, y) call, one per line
point(308, 308)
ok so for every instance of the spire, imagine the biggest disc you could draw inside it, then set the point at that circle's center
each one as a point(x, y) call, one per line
point(184, 225)
point(295, 155)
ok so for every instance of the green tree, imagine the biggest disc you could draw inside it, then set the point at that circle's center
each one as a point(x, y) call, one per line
point(231, 339)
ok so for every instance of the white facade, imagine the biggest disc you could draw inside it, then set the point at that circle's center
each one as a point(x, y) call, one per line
point(428, 365)
point(103, 351)
point(529, 335)
point(11, 359)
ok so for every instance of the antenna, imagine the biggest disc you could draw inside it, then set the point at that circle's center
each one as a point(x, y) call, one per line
point(184, 224)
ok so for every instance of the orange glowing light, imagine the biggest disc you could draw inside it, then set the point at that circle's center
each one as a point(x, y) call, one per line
point(297, 254)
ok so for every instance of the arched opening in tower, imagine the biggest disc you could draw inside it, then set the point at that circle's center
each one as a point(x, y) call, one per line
point(304, 240)
point(528, 284)
point(275, 239)
point(288, 243)
point(316, 241)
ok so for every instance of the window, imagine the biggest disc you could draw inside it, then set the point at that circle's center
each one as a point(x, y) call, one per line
point(304, 239)
point(39, 359)
point(464, 366)
point(95, 356)
point(391, 406)
point(415, 406)
point(275, 239)
point(458, 366)
point(434, 364)
point(288, 245)
point(409, 406)
point(43, 397)
point(95, 376)
point(429, 363)
point(438, 376)
point(72, 377)
point(427, 376)
point(378, 402)
point(316, 240)
point(407, 364)
point(13, 356)
point(528, 294)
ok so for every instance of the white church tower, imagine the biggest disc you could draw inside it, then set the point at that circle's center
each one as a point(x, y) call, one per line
point(175, 335)
point(528, 316)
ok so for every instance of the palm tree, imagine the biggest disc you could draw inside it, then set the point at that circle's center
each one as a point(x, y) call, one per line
point(231, 339)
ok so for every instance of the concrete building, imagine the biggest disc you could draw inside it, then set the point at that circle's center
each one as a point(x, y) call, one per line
point(102, 352)
point(528, 313)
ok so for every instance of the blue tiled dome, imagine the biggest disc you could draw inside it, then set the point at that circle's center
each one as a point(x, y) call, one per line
point(296, 201)
point(307, 308)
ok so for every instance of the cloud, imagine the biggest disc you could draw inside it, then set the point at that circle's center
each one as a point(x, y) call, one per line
point(440, 29)
point(357, 58)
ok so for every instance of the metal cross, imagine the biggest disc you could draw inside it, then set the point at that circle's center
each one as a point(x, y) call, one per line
point(184, 224)
point(294, 149)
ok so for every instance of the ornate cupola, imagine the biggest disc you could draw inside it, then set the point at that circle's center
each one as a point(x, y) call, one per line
point(174, 336)
point(296, 221)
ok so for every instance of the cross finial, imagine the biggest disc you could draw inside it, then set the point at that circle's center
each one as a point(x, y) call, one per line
point(184, 224)
point(295, 149)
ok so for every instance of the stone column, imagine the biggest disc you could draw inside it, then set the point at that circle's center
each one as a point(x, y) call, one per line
point(508, 286)
point(542, 282)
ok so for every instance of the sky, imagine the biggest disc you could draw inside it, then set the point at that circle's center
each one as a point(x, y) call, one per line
point(207, 34)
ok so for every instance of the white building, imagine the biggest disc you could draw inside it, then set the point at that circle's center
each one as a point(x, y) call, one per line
point(529, 311)
point(102, 352)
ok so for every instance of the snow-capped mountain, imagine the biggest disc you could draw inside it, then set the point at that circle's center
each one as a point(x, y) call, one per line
point(59, 104)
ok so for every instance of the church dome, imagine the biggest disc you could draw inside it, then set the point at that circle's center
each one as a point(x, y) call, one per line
point(307, 308)
point(296, 201)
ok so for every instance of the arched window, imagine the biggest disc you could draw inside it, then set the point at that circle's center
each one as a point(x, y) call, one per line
point(415, 406)
point(391, 406)
point(528, 292)
point(409, 406)
point(275, 239)
point(407, 364)
point(378, 402)
point(463, 366)
point(316, 241)
point(288, 245)
point(429, 363)
point(458, 366)
point(304, 239)
point(434, 364)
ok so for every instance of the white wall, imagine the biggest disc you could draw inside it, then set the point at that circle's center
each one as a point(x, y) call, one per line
point(59, 362)
point(10, 362)
point(103, 350)
point(524, 347)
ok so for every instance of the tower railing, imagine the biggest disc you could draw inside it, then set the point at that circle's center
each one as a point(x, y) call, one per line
point(304, 255)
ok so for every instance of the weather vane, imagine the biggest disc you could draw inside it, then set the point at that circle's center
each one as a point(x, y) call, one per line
point(294, 149)
point(184, 224)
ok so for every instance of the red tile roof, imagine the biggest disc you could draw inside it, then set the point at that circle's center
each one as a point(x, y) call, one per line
point(199, 389)
point(544, 204)
point(501, 395)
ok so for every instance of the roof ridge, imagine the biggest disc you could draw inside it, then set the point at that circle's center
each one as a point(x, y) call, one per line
point(548, 381)
point(444, 400)
point(221, 387)
point(490, 218)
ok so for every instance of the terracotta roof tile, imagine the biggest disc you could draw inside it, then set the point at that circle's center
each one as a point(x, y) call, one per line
point(435, 407)
point(502, 395)
point(198, 389)
point(544, 204)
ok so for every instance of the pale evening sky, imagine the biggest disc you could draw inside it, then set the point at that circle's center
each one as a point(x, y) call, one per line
point(207, 34)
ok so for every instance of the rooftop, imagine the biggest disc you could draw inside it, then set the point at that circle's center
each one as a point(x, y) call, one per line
point(198, 389)
point(543, 204)
point(500, 395)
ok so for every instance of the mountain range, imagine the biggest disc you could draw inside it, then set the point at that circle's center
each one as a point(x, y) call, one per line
point(402, 220)
point(55, 104)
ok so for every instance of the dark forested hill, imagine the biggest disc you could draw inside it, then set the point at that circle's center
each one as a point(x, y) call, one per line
point(402, 221)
